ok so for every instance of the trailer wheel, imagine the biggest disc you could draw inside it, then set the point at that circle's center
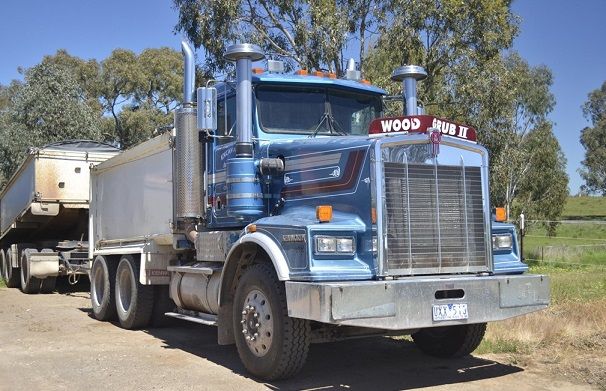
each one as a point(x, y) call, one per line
point(271, 344)
point(29, 284)
point(450, 341)
point(134, 301)
point(102, 284)
point(12, 275)
point(3, 267)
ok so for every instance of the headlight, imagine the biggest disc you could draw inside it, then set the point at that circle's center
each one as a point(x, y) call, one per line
point(335, 245)
point(502, 242)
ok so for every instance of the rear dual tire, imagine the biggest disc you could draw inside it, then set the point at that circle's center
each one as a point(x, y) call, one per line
point(29, 284)
point(134, 301)
point(10, 275)
point(116, 292)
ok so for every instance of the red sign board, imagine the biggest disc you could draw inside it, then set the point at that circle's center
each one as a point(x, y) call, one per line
point(420, 124)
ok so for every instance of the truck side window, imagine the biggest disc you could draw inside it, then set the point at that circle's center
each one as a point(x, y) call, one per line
point(226, 119)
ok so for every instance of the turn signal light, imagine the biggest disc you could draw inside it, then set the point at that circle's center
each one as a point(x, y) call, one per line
point(251, 228)
point(373, 215)
point(500, 214)
point(257, 71)
point(301, 72)
point(324, 213)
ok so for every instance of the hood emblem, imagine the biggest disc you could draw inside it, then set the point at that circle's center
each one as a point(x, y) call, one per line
point(435, 137)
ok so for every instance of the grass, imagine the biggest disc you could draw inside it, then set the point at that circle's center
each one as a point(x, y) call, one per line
point(570, 335)
point(576, 314)
point(583, 208)
point(2, 284)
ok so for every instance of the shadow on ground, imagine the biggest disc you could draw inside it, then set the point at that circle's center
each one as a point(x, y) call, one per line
point(363, 364)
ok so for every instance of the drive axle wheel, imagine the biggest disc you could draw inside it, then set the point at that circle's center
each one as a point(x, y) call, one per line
point(271, 344)
point(102, 285)
point(134, 301)
point(450, 341)
point(29, 284)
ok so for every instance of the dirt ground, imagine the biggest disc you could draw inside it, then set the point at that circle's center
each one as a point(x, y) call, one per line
point(51, 342)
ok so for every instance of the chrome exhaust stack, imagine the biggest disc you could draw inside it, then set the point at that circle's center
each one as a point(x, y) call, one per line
point(188, 160)
point(409, 75)
point(244, 192)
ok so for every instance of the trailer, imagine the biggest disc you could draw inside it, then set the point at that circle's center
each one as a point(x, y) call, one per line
point(44, 215)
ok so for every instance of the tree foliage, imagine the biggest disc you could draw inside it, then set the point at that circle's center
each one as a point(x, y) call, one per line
point(593, 139)
point(47, 107)
point(122, 99)
point(307, 34)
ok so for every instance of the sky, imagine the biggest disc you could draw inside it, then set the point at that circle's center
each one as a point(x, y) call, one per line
point(568, 37)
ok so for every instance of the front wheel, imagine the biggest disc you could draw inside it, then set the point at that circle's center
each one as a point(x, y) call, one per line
point(450, 341)
point(270, 344)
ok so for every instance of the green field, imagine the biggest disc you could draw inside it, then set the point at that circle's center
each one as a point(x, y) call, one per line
point(575, 261)
point(580, 238)
point(585, 208)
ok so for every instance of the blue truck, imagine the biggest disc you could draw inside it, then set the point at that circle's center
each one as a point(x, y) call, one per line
point(285, 210)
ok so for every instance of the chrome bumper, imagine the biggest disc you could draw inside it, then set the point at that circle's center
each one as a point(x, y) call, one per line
point(407, 303)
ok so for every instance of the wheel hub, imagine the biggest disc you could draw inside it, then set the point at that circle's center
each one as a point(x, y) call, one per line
point(257, 323)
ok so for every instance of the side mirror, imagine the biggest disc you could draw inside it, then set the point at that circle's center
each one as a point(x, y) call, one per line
point(207, 108)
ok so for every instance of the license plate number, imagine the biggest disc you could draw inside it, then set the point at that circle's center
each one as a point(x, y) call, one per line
point(450, 312)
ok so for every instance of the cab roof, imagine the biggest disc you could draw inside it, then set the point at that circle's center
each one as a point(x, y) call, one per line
point(281, 78)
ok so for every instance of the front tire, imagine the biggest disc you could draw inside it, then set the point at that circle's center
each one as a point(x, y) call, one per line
point(270, 344)
point(102, 287)
point(29, 285)
point(450, 341)
point(134, 301)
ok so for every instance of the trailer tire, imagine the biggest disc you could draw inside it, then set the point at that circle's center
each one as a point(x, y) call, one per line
point(13, 274)
point(102, 283)
point(3, 266)
point(280, 348)
point(134, 301)
point(29, 285)
point(450, 341)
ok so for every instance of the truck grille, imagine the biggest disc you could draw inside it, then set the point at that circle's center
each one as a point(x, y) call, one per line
point(434, 219)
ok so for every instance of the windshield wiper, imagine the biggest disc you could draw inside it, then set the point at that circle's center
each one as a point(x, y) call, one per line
point(317, 129)
point(333, 126)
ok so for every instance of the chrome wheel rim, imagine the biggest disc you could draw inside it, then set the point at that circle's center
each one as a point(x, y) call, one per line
point(124, 288)
point(257, 323)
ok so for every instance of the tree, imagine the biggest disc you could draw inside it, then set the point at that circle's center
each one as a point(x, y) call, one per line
point(307, 34)
point(47, 107)
point(593, 139)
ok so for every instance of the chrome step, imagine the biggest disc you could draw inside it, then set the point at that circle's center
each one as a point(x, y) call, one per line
point(205, 319)
point(195, 269)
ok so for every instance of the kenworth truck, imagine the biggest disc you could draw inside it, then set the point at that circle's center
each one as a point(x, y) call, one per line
point(282, 211)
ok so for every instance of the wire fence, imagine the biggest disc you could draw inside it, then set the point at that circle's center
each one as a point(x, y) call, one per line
point(573, 243)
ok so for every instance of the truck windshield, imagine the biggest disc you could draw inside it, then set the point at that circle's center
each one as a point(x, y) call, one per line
point(315, 110)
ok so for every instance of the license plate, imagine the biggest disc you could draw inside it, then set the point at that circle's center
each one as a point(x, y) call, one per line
point(450, 312)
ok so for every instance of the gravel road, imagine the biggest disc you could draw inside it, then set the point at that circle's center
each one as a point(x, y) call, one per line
point(51, 342)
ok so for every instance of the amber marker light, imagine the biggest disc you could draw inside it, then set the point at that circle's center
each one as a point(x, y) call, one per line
point(257, 71)
point(500, 214)
point(251, 228)
point(324, 213)
point(301, 72)
point(373, 215)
